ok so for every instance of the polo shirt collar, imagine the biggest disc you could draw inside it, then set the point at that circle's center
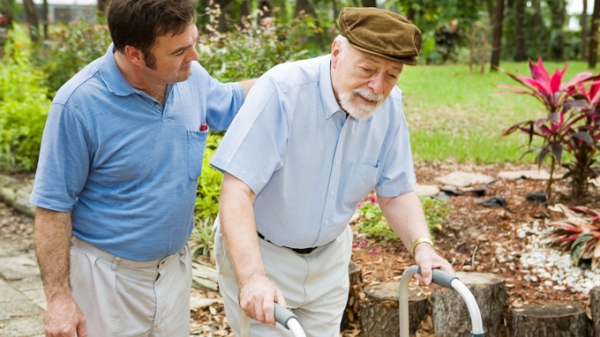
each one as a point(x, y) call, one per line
point(112, 77)
point(330, 104)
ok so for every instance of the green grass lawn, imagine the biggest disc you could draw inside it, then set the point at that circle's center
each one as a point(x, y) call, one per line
point(452, 112)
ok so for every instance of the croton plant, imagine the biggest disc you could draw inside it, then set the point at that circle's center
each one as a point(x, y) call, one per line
point(578, 233)
point(571, 124)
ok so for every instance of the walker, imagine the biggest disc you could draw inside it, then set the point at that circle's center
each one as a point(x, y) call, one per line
point(290, 321)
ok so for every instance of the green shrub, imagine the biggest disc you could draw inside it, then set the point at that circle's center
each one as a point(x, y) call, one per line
point(252, 49)
point(71, 47)
point(372, 222)
point(207, 200)
point(24, 106)
point(209, 184)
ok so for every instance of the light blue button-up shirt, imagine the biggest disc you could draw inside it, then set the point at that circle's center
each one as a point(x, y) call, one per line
point(308, 165)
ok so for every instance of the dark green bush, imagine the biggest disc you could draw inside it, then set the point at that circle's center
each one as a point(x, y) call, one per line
point(24, 105)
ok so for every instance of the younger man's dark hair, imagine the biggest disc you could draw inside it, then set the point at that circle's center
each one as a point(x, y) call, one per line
point(138, 23)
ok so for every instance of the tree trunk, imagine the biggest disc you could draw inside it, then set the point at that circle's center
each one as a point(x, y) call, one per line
point(554, 320)
point(521, 43)
point(537, 34)
point(369, 3)
point(449, 310)
point(306, 6)
point(593, 50)
point(102, 7)
point(245, 8)
point(45, 18)
point(411, 14)
point(32, 20)
point(557, 22)
point(584, 31)
point(265, 7)
point(497, 42)
point(379, 312)
point(226, 7)
point(351, 316)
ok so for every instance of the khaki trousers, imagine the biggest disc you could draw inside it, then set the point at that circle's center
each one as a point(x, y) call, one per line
point(315, 285)
point(125, 298)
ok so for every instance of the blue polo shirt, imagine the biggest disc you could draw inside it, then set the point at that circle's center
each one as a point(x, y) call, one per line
point(308, 165)
point(124, 165)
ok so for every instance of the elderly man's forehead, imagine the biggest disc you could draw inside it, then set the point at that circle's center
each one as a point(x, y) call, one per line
point(378, 59)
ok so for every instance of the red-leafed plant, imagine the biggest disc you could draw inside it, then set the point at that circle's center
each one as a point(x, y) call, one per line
point(579, 233)
point(571, 125)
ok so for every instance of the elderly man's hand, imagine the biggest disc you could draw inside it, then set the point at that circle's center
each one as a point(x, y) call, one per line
point(257, 295)
point(428, 259)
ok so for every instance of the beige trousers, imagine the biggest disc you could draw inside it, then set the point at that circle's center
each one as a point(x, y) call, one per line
point(315, 285)
point(125, 298)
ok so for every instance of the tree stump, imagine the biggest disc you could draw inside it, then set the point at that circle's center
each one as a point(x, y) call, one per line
point(351, 316)
point(451, 316)
point(379, 315)
point(553, 320)
point(595, 309)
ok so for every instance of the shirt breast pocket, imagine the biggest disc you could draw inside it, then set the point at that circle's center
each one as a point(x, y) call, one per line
point(360, 181)
point(196, 145)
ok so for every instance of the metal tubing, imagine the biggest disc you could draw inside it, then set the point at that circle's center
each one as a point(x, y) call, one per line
point(295, 328)
point(476, 322)
point(403, 299)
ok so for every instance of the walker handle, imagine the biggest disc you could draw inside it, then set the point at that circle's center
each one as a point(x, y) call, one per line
point(441, 278)
point(283, 315)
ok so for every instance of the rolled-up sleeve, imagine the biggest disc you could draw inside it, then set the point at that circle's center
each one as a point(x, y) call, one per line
point(223, 101)
point(64, 161)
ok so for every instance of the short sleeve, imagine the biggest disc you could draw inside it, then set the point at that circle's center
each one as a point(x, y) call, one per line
point(397, 173)
point(64, 161)
point(223, 101)
point(254, 146)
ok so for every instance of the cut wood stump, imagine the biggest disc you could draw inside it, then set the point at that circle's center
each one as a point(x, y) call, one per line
point(450, 313)
point(595, 309)
point(553, 320)
point(379, 309)
point(351, 318)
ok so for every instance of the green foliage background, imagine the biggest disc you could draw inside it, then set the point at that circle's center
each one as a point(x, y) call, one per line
point(24, 105)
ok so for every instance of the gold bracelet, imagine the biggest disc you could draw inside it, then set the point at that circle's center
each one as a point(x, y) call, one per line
point(419, 241)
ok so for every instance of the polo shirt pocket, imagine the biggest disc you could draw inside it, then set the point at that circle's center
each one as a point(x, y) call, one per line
point(196, 145)
point(360, 181)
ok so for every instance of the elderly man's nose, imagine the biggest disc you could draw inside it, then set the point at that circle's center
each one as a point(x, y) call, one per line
point(377, 85)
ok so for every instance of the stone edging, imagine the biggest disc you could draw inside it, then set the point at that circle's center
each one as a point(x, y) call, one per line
point(16, 194)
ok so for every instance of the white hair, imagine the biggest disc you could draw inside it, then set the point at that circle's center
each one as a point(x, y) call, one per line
point(343, 42)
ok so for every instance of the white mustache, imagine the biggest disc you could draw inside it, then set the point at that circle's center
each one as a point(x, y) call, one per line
point(368, 95)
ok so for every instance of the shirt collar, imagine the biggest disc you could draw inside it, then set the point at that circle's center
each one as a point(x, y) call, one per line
point(111, 75)
point(330, 104)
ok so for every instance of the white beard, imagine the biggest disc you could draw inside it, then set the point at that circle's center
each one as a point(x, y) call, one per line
point(358, 110)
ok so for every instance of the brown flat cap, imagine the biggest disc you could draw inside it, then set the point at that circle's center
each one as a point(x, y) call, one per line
point(381, 32)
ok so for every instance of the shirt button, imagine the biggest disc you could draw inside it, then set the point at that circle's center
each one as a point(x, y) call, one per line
point(331, 193)
point(337, 163)
point(155, 103)
point(327, 222)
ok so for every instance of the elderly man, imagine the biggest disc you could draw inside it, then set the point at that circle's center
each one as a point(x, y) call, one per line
point(312, 140)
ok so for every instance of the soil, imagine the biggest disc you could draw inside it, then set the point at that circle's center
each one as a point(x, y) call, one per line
point(469, 239)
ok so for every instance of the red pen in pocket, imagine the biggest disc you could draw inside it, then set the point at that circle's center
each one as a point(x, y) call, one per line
point(203, 127)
